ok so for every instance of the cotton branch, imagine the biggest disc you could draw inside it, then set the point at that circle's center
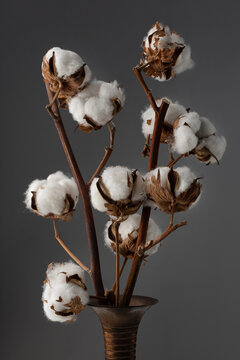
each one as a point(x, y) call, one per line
point(108, 152)
point(161, 237)
point(83, 190)
point(153, 159)
point(70, 253)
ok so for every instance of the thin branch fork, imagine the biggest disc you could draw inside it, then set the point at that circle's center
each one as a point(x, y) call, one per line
point(108, 152)
point(70, 253)
point(153, 159)
point(161, 237)
point(83, 190)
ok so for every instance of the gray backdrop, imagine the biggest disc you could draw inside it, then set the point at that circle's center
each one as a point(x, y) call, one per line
point(195, 275)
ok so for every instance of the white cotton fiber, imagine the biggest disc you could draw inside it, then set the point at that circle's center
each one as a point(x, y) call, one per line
point(96, 199)
point(216, 145)
point(131, 226)
point(184, 61)
point(99, 109)
point(67, 63)
point(191, 119)
point(186, 179)
point(206, 129)
point(184, 140)
point(50, 194)
point(115, 179)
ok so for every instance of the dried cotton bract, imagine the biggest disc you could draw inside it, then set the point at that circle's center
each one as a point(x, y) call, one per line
point(172, 190)
point(53, 198)
point(96, 105)
point(165, 52)
point(64, 292)
point(128, 233)
point(65, 72)
point(118, 192)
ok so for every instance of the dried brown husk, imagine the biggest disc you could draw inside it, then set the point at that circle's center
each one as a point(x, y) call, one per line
point(64, 87)
point(74, 307)
point(161, 62)
point(166, 199)
point(122, 207)
point(126, 246)
point(204, 155)
point(66, 215)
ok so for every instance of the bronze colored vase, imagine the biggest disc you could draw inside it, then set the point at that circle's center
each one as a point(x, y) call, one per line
point(120, 326)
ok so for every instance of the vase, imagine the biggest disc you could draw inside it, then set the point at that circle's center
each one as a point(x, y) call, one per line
point(120, 326)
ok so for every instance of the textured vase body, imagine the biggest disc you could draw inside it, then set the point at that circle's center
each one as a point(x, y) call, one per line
point(120, 326)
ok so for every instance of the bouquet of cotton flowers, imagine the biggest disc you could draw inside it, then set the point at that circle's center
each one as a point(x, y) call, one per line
point(118, 191)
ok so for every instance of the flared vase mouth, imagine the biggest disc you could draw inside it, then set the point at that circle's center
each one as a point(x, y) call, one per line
point(137, 301)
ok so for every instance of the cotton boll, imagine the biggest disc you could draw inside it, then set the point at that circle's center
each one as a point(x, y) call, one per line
point(206, 129)
point(100, 110)
point(119, 191)
point(184, 61)
point(64, 292)
point(96, 199)
point(186, 177)
point(174, 192)
point(217, 146)
point(184, 140)
point(67, 62)
point(191, 119)
point(166, 53)
point(55, 197)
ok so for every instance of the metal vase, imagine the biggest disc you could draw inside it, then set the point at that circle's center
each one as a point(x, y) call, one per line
point(120, 326)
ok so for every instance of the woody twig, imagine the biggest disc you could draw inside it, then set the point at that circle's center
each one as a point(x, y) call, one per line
point(82, 187)
point(108, 152)
point(70, 253)
point(159, 119)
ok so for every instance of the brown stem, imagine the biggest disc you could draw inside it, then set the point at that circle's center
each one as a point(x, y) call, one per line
point(90, 226)
point(142, 233)
point(70, 253)
point(120, 273)
point(167, 232)
point(137, 71)
point(116, 225)
point(108, 152)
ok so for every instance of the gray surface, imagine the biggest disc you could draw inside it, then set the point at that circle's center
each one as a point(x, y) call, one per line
point(196, 273)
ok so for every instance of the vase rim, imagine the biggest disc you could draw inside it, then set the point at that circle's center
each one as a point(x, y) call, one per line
point(137, 301)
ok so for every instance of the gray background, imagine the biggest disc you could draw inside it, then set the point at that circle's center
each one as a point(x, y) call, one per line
point(195, 275)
